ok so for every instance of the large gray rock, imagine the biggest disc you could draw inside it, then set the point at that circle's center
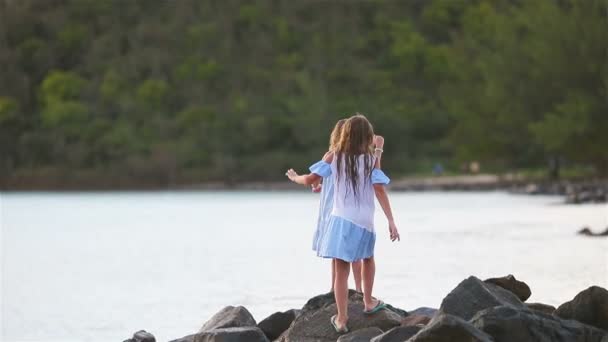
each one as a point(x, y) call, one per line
point(473, 295)
point(326, 299)
point(315, 326)
point(361, 335)
point(397, 334)
point(519, 288)
point(506, 324)
point(274, 325)
point(415, 320)
point(237, 334)
point(230, 317)
point(424, 311)
point(448, 328)
point(189, 338)
point(142, 336)
point(544, 308)
point(589, 306)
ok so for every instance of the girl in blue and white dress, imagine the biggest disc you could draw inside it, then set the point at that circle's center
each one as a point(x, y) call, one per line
point(327, 200)
point(350, 233)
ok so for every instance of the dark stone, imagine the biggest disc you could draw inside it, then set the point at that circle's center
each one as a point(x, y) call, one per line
point(448, 328)
point(540, 307)
point(237, 334)
point(397, 334)
point(361, 335)
point(189, 338)
point(321, 301)
point(274, 325)
point(414, 320)
point(519, 288)
point(589, 306)
point(230, 317)
point(506, 324)
point(314, 325)
point(142, 336)
point(587, 232)
point(473, 295)
point(424, 311)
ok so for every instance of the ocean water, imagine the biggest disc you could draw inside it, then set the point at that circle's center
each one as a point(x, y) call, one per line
point(100, 266)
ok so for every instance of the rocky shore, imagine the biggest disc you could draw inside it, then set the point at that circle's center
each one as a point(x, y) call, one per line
point(474, 311)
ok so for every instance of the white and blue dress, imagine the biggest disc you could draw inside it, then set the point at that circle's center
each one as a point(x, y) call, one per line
point(345, 228)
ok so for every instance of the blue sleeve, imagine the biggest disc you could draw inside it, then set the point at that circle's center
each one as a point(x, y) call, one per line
point(378, 177)
point(321, 168)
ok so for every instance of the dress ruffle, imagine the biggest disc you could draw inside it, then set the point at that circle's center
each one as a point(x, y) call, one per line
point(345, 240)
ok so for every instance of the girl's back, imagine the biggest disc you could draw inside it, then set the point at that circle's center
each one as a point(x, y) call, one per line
point(355, 205)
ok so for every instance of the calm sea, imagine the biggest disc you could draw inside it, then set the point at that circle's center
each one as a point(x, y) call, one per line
point(99, 266)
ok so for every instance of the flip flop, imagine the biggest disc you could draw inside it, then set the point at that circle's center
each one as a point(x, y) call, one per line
point(344, 329)
point(381, 305)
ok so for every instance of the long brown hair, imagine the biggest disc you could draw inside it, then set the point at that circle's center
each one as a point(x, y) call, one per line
point(356, 139)
point(334, 137)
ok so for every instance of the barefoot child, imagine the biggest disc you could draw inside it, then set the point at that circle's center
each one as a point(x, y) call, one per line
point(350, 234)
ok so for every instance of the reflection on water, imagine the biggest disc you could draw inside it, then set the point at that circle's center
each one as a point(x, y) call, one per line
point(99, 266)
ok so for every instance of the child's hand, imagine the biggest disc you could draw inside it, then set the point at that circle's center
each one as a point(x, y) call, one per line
point(392, 228)
point(291, 174)
point(316, 188)
point(378, 141)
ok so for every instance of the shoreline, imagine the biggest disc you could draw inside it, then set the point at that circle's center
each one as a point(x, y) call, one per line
point(574, 191)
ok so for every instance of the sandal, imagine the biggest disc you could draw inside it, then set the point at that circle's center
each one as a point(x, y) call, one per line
point(344, 329)
point(381, 305)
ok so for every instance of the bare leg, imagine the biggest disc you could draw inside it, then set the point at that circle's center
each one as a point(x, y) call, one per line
point(333, 274)
point(368, 274)
point(341, 291)
point(356, 265)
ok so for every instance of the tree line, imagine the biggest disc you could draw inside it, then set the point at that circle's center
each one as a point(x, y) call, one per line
point(157, 92)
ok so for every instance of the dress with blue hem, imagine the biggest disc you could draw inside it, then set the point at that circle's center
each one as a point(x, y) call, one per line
point(326, 202)
point(348, 233)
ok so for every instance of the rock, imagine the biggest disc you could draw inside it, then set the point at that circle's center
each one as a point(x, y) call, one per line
point(473, 295)
point(519, 288)
point(230, 317)
point(507, 324)
point(424, 311)
point(540, 307)
point(587, 232)
point(414, 320)
point(236, 334)
point(397, 334)
point(189, 338)
point(361, 335)
point(448, 328)
point(142, 336)
point(589, 306)
point(274, 325)
point(327, 299)
point(314, 325)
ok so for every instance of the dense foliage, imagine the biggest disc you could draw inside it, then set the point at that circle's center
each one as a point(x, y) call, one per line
point(151, 92)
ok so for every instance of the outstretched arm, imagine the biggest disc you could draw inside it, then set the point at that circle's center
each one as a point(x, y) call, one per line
point(378, 144)
point(310, 178)
point(382, 197)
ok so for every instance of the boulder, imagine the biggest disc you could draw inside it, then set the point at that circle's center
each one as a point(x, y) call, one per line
point(230, 317)
point(142, 336)
point(545, 308)
point(588, 232)
point(314, 325)
point(321, 301)
point(415, 320)
point(448, 328)
point(236, 334)
point(189, 338)
point(397, 334)
point(361, 335)
point(274, 325)
point(519, 288)
point(589, 306)
point(473, 295)
point(424, 311)
point(506, 324)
